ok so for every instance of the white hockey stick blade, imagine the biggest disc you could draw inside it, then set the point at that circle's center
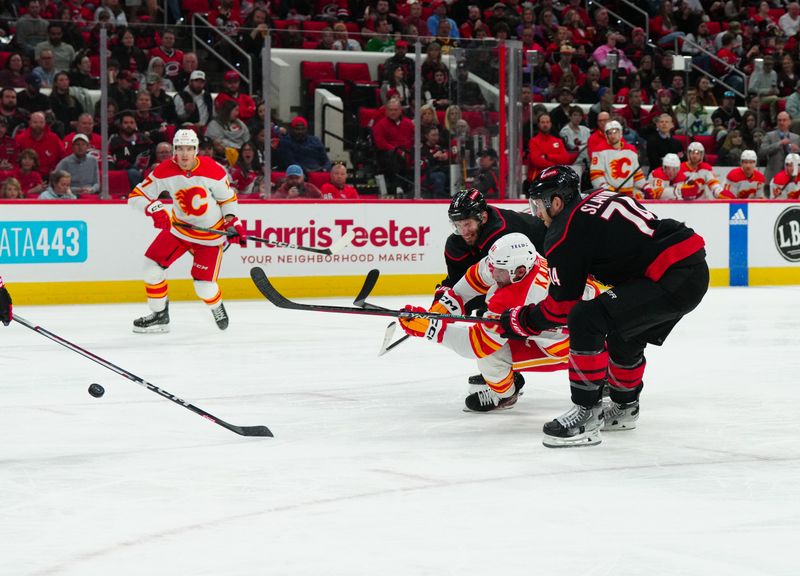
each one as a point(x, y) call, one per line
point(387, 338)
point(342, 242)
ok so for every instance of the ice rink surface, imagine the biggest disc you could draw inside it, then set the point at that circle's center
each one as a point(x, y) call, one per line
point(374, 468)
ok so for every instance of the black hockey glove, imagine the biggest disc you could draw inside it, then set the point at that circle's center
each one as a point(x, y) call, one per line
point(513, 325)
point(5, 305)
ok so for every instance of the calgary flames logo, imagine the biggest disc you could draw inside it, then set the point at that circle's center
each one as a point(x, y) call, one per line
point(192, 200)
point(617, 168)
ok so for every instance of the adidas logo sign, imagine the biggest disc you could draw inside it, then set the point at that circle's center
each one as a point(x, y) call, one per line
point(738, 218)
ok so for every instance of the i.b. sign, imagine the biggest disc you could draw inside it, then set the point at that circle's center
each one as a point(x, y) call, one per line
point(42, 241)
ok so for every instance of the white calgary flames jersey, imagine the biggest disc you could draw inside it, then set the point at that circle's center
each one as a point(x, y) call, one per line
point(708, 185)
point(612, 168)
point(201, 196)
point(662, 187)
point(481, 340)
point(784, 186)
point(738, 185)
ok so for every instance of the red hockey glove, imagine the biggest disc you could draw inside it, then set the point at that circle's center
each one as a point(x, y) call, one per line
point(158, 212)
point(727, 195)
point(241, 234)
point(690, 191)
point(422, 327)
point(512, 325)
point(5, 305)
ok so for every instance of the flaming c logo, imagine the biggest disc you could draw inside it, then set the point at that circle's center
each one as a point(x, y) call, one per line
point(192, 200)
point(617, 168)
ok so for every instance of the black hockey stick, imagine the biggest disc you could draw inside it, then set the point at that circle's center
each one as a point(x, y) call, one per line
point(270, 293)
point(335, 248)
point(241, 430)
point(361, 302)
point(366, 289)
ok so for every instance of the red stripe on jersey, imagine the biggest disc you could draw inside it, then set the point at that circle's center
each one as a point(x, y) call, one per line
point(673, 254)
point(555, 311)
point(626, 377)
point(197, 234)
point(482, 345)
point(475, 281)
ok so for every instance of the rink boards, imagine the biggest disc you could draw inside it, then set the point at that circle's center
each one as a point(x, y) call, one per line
point(56, 253)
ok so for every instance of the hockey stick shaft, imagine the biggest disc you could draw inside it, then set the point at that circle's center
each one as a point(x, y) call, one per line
point(335, 248)
point(270, 293)
point(241, 430)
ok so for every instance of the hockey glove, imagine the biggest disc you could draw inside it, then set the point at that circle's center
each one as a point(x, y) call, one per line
point(447, 302)
point(512, 324)
point(689, 191)
point(5, 305)
point(235, 225)
point(158, 212)
point(423, 327)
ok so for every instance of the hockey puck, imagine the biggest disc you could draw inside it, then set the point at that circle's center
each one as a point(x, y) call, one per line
point(96, 390)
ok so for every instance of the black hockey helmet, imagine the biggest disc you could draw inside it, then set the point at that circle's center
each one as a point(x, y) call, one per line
point(561, 181)
point(467, 204)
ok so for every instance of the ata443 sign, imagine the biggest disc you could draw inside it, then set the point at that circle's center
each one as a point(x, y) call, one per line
point(36, 241)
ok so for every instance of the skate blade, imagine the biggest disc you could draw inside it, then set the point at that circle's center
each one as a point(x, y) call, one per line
point(620, 427)
point(591, 439)
point(152, 329)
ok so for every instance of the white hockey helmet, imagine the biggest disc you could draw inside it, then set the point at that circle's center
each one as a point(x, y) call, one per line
point(749, 155)
point(696, 147)
point(794, 161)
point(671, 161)
point(185, 137)
point(512, 251)
point(613, 125)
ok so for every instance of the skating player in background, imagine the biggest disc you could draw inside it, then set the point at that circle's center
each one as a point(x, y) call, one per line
point(699, 174)
point(5, 304)
point(511, 275)
point(745, 181)
point(658, 273)
point(202, 196)
point(477, 226)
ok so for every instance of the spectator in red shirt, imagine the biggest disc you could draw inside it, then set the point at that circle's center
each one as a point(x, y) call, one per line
point(85, 126)
point(28, 174)
point(172, 57)
point(393, 136)
point(47, 145)
point(545, 150)
point(338, 188)
point(230, 91)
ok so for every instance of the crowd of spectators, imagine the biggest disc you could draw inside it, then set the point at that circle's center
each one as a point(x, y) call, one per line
point(581, 70)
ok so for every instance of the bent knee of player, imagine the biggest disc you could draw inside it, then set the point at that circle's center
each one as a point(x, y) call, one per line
point(495, 367)
point(588, 325)
point(206, 290)
point(152, 273)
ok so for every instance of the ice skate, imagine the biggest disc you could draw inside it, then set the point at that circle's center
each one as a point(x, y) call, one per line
point(477, 383)
point(486, 399)
point(220, 316)
point(620, 416)
point(153, 323)
point(579, 426)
